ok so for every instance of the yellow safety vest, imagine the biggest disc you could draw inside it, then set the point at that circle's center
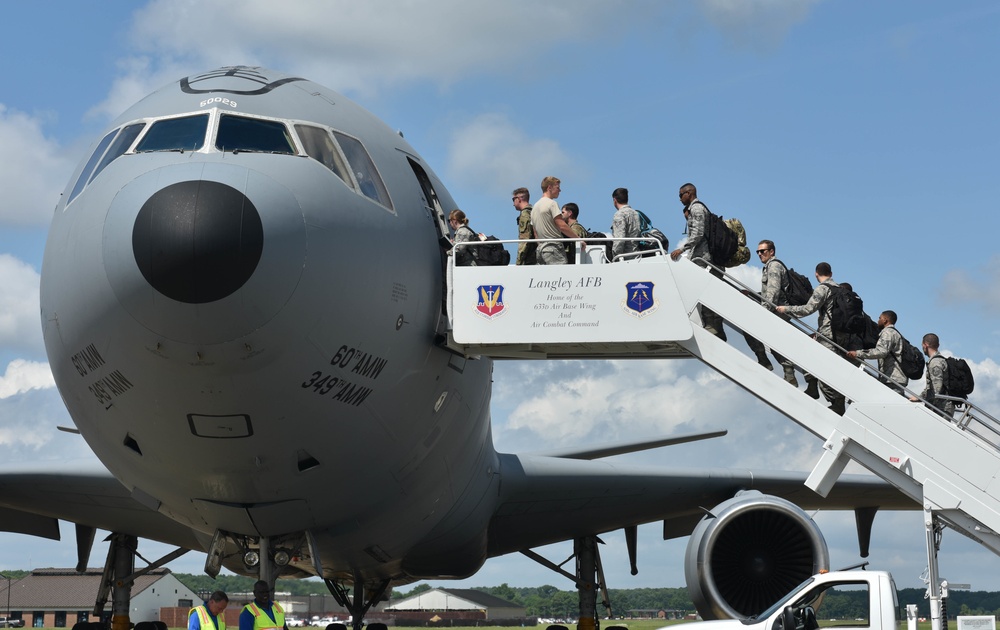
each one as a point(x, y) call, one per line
point(261, 620)
point(205, 618)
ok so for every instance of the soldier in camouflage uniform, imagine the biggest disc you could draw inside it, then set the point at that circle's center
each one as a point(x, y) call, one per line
point(625, 223)
point(822, 301)
point(937, 376)
point(697, 247)
point(888, 350)
point(570, 212)
point(525, 251)
point(465, 256)
point(773, 281)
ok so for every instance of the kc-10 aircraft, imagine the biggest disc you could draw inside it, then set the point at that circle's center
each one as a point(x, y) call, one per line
point(242, 298)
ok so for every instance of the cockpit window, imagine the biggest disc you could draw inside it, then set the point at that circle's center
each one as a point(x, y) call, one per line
point(320, 147)
point(119, 147)
point(175, 134)
point(364, 170)
point(89, 168)
point(238, 133)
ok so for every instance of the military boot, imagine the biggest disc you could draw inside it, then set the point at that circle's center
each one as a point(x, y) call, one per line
point(838, 405)
point(763, 360)
point(790, 376)
point(812, 386)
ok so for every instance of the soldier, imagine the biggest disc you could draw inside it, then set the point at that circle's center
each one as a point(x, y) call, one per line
point(697, 247)
point(822, 301)
point(625, 223)
point(937, 376)
point(548, 223)
point(525, 251)
point(570, 212)
point(773, 281)
point(888, 350)
point(466, 256)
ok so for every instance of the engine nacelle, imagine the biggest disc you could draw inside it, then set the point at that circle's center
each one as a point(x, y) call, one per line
point(748, 552)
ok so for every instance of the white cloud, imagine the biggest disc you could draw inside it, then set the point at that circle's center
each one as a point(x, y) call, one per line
point(585, 403)
point(28, 421)
point(360, 46)
point(981, 288)
point(22, 376)
point(759, 25)
point(363, 47)
point(490, 152)
point(20, 329)
point(34, 173)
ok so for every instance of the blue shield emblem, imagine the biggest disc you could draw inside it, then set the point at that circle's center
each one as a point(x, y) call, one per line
point(639, 296)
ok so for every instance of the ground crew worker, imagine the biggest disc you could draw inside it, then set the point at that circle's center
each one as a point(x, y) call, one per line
point(262, 613)
point(209, 616)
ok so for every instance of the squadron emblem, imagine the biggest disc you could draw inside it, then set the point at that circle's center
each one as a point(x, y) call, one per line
point(489, 300)
point(639, 300)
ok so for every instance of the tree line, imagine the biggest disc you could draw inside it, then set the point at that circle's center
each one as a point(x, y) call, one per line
point(550, 602)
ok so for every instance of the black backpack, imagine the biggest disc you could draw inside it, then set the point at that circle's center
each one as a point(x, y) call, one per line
point(492, 254)
point(848, 314)
point(797, 287)
point(869, 338)
point(722, 241)
point(654, 237)
point(960, 382)
point(912, 361)
point(605, 244)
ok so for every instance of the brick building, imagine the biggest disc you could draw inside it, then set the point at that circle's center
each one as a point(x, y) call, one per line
point(59, 598)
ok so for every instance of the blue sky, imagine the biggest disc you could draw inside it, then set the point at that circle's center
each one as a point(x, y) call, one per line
point(863, 134)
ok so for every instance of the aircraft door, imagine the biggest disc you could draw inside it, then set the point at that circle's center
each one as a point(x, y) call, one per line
point(432, 205)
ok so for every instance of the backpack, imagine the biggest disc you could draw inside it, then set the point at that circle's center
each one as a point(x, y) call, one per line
point(869, 338)
point(960, 382)
point(742, 255)
point(912, 360)
point(848, 314)
point(491, 255)
point(797, 287)
point(605, 244)
point(655, 238)
point(722, 241)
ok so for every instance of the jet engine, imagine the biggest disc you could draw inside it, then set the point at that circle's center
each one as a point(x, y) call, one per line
point(748, 552)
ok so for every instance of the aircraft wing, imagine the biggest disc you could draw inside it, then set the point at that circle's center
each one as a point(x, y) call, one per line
point(547, 499)
point(34, 497)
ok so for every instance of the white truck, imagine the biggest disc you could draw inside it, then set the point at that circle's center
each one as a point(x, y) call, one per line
point(823, 596)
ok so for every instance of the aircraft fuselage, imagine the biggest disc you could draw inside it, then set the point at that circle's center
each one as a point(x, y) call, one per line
point(240, 310)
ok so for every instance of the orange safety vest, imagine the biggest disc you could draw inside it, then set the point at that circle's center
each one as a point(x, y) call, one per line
point(205, 618)
point(262, 621)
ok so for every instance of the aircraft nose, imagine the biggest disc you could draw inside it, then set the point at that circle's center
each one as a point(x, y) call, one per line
point(197, 241)
point(204, 253)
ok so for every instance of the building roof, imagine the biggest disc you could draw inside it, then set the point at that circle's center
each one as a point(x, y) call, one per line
point(479, 597)
point(46, 589)
point(432, 600)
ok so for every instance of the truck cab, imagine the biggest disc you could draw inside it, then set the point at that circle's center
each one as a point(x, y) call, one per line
point(843, 599)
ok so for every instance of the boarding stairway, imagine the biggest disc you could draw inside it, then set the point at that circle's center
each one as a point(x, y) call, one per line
point(647, 308)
